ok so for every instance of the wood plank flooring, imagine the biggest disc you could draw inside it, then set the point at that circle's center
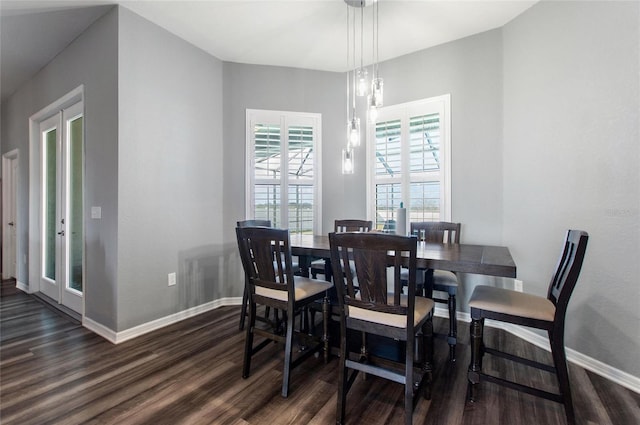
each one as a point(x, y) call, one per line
point(53, 371)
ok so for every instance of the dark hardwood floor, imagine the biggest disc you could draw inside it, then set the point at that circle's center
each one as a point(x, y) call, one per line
point(52, 370)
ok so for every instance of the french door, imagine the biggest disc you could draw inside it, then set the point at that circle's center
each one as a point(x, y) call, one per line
point(61, 213)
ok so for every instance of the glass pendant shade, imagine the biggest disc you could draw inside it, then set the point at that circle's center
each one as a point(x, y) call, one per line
point(377, 91)
point(353, 132)
point(347, 161)
point(362, 82)
point(373, 109)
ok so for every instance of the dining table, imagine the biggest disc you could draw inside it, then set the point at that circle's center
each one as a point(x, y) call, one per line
point(487, 260)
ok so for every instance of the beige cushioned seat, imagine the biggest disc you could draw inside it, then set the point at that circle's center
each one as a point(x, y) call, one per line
point(444, 278)
point(423, 307)
point(305, 288)
point(505, 301)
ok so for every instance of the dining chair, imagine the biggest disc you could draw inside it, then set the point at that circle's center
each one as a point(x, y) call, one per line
point(440, 280)
point(488, 302)
point(378, 307)
point(266, 258)
point(245, 293)
point(340, 226)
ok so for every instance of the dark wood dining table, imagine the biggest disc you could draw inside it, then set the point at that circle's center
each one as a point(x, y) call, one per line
point(465, 258)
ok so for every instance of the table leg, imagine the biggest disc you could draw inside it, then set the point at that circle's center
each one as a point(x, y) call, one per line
point(475, 365)
point(326, 314)
point(328, 271)
point(304, 262)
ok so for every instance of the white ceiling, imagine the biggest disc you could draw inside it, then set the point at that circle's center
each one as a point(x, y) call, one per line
point(297, 33)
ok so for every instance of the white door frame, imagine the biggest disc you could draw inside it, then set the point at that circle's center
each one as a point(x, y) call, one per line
point(9, 204)
point(35, 182)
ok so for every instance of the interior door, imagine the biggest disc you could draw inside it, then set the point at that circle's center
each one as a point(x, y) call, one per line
point(9, 216)
point(62, 240)
point(12, 218)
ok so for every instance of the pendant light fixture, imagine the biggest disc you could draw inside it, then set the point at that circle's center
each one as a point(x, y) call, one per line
point(357, 78)
point(377, 84)
point(353, 126)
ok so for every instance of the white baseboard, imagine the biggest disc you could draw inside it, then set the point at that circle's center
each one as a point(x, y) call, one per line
point(99, 329)
point(118, 337)
point(596, 366)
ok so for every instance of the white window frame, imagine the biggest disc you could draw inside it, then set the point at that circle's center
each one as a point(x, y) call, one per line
point(438, 104)
point(284, 119)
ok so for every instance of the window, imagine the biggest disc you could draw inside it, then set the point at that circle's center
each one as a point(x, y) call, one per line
point(283, 169)
point(412, 162)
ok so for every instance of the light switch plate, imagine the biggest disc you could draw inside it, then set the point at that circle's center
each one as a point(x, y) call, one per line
point(172, 279)
point(518, 285)
point(96, 212)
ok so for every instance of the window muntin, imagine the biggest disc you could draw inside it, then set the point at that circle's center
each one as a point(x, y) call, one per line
point(284, 172)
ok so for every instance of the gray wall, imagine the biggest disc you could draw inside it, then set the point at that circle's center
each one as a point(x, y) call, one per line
point(285, 89)
point(571, 160)
point(471, 71)
point(92, 60)
point(170, 173)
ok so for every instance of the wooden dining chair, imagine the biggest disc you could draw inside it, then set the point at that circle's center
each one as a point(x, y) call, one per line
point(376, 307)
point(340, 226)
point(245, 294)
point(488, 302)
point(266, 258)
point(440, 280)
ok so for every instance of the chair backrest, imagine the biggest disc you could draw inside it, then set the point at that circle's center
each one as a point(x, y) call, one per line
point(266, 258)
point(436, 231)
point(372, 253)
point(254, 223)
point(567, 271)
point(341, 226)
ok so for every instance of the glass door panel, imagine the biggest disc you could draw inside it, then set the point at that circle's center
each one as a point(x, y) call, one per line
point(75, 239)
point(50, 206)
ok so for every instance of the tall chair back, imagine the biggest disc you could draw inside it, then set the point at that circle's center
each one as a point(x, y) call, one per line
point(440, 280)
point(254, 223)
point(266, 257)
point(436, 231)
point(567, 271)
point(245, 294)
point(341, 226)
point(372, 254)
